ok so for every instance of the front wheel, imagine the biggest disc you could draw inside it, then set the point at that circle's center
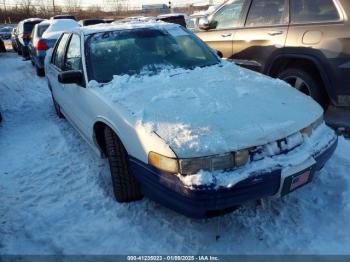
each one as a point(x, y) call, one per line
point(57, 108)
point(305, 83)
point(125, 186)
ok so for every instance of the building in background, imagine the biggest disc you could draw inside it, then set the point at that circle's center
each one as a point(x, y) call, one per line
point(155, 8)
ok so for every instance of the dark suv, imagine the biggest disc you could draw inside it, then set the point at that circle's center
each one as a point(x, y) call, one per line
point(304, 42)
point(24, 30)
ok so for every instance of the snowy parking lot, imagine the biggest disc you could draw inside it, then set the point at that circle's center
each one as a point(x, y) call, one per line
point(56, 195)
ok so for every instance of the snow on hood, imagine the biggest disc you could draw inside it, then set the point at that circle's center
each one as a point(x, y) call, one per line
point(212, 110)
point(58, 26)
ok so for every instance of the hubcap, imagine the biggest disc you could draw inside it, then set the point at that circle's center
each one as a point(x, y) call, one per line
point(299, 84)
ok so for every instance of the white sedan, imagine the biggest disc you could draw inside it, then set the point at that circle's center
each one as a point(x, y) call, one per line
point(179, 125)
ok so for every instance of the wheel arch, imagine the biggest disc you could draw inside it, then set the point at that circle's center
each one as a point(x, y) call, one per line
point(98, 135)
point(313, 64)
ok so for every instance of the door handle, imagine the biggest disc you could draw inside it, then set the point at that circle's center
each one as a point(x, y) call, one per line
point(273, 33)
point(226, 35)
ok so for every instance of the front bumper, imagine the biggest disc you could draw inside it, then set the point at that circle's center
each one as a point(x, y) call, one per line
point(168, 189)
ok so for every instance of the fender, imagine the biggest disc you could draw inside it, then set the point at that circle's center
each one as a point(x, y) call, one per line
point(108, 123)
point(313, 56)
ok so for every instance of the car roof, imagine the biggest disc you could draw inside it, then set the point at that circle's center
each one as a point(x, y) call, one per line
point(172, 15)
point(32, 20)
point(100, 28)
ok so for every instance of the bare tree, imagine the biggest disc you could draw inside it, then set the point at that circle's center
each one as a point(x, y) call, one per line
point(117, 6)
point(72, 6)
point(27, 6)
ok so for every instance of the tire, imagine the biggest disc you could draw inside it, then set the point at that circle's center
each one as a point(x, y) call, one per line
point(40, 71)
point(125, 186)
point(33, 64)
point(306, 83)
point(57, 108)
point(19, 50)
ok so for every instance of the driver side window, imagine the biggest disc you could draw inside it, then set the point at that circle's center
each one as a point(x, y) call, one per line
point(229, 15)
point(73, 56)
point(58, 56)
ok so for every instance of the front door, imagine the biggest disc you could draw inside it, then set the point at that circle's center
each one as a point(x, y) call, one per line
point(265, 32)
point(77, 105)
point(224, 23)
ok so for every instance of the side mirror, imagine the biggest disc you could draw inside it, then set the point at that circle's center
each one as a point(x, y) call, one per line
point(205, 24)
point(218, 53)
point(71, 77)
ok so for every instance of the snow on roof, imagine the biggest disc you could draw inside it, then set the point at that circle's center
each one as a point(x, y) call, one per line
point(45, 22)
point(172, 15)
point(58, 26)
point(32, 20)
point(122, 26)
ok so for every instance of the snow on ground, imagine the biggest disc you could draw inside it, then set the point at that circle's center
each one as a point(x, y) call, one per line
point(56, 196)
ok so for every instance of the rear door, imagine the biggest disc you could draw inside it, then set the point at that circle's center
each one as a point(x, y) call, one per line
point(225, 22)
point(265, 32)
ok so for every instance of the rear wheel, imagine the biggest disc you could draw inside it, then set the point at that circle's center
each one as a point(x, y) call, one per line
point(40, 71)
point(19, 50)
point(305, 83)
point(125, 186)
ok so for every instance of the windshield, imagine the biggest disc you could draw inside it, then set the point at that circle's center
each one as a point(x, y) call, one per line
point(145, 51)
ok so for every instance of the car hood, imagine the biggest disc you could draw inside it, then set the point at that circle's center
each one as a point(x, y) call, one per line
point(214, 109)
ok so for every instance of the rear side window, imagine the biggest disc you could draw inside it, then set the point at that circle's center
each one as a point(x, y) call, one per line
point(267, 12)
point(28, 27)
point(41, 30)
point(229, 15)
point(313, 11)
point(73, 58)
point(58, 56)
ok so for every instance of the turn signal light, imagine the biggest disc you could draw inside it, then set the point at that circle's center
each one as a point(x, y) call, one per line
point(41, 45)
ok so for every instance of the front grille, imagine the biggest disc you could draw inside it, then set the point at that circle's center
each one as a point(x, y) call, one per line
point(282, 146)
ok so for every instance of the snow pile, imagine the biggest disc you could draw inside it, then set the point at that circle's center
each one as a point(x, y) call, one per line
point(211, 110)
point(319, 140)
point(58, 26)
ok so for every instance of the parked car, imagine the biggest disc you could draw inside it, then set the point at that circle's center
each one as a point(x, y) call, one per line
point(14, 39)
point(46, 36)
point(132, 92)
point(87, 22)
point(175, 18)
point(5, 32)
point(63, 17)
point(305, 43)
point(37, 47)
point(108, 21)
point(24, 30)
point(2, 46)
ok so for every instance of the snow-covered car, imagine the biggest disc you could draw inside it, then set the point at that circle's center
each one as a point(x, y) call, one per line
point(197, 134)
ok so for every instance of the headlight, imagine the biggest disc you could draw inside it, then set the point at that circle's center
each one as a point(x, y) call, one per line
point(188, 166)
point(164, 163)
point(309, 129)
